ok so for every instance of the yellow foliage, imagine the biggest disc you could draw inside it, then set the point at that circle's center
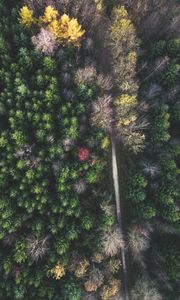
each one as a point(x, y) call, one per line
point(63, 28)
point(127, 86)
point(75, 32)
point(111, 289)
point(124, 23)
point(99, 5)
point(126, 100)
point(60, 28)
point(121, 24)
point(121, 12)
point(124, 47)
point(127, 121)
point(132, 57)
point(54, 28)
point(105, 143)
point(114, 265)
point(50, 14)
point(66, 29)
point(58, 271)
point(81, 268)
point(26, 16)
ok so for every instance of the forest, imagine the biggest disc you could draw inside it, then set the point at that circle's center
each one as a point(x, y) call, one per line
point(89, 150)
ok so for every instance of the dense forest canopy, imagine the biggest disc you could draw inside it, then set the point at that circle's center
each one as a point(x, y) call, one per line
point(81, 82)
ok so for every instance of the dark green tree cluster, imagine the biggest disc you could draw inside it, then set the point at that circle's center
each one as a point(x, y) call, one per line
point(53, 166)
point(153, 186)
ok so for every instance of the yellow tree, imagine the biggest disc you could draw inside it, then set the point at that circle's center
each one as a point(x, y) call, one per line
point(26, 16)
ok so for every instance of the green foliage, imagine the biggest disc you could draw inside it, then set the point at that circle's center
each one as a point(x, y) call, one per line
point(71, 291)
point(158, 48)
point(162, 47)
point(62, 246)
point(19, 293)
point(87, 222)
point(173, 47)
point(38, 202)
point(146, 212)
point(20, 252)
point(172, 75)
point(158, 166)
point(173, 263)
point(137, 186)
point(176, 112)
point(161, 124)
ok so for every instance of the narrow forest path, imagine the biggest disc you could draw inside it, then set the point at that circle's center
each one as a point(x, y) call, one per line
point(116, 182)
point(105, 63)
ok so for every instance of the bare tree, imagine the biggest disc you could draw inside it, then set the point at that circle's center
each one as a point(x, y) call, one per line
point(45, 42)
point(144, 289)
point(37, 247)
point(102, 112)
point(112, 241)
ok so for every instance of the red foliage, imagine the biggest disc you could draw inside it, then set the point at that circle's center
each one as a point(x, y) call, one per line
point(83, 154)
